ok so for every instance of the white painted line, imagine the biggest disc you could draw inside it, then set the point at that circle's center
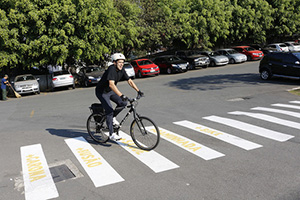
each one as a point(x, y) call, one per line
point(152, 159)
point(298, 102)
point(236, 141)
point(286, 106)
point(269, 119)
point(38, 182)
point(187, 144)
point(274, 135)
point(290, 113)
point(100, 172)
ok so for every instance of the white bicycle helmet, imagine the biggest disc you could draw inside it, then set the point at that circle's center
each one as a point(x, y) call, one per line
point(117, 56)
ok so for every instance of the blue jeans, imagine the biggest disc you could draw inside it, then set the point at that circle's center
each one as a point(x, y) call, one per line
point(105, 99)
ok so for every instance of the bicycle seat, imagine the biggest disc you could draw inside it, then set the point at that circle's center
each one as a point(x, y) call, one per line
point(97, 108)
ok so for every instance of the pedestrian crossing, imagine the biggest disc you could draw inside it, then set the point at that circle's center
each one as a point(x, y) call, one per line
point(38, 183)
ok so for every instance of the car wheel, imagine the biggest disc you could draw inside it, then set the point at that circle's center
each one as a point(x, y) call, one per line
point(204, 66)
point(38, 92)
point(212, 63)
point(231, 61)
point(139, 74)
point(73, 87)
point(249, 58)
point(265, 74)
point(169, 71)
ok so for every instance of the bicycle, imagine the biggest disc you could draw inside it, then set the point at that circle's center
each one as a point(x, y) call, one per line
point(139, 128)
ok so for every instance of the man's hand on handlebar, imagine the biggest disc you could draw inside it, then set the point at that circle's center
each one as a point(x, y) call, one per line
point(140, 93)
point(123, 97)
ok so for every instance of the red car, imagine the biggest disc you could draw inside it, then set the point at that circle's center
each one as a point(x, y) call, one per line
point(144, 67)
point(250, 52)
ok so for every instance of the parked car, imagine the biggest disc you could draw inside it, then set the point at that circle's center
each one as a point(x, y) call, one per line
point(171, 64)
point(293, 46)
point(267, 50)
point(250, 52)
point(278, 46)
point(216, 59)
point(90, 75)
point(194, 58)
point(62, 78)
point(283, 64)
point(233, 55)
point(129, 70)
point(25, 84)
point(144, 67)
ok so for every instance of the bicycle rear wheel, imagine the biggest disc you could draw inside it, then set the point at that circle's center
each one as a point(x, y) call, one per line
point(145, 134)
point(97, 128)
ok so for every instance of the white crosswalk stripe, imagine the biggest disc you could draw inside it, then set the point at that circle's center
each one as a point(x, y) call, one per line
point(189, 145)
point(285, 112)
point(298, 102)
point(100, 172)
point(153, 160)
point(274, 135)
point(286, 106)
point(269, 119)
point(236, 141)
point(38, 182)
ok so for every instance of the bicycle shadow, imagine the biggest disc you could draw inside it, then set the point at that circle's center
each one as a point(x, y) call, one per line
point(73, 133)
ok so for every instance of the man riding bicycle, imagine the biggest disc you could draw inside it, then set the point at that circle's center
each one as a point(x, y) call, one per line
point(106, 91)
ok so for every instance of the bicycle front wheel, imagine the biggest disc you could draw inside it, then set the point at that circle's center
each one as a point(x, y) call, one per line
point(97, 129)
point(145, 134)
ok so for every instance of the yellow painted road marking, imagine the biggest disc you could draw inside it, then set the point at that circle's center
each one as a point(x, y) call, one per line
point(100, 171)
point(38, 181)
point(32, 113)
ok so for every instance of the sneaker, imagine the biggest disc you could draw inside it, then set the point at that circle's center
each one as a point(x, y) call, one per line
point(115, 122)
point(115, 137)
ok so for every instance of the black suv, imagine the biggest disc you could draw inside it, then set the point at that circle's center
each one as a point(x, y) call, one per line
point(194, 58)
point(282, 64)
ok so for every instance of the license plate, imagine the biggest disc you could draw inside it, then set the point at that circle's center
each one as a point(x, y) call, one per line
point(62, 78)
point(152, 70)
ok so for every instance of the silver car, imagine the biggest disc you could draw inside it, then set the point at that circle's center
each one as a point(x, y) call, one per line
point(216, 59)
point(26, 83)
point(129, 70)
point(233, 55)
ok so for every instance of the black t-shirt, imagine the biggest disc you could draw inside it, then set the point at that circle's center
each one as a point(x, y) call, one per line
point(112, 73)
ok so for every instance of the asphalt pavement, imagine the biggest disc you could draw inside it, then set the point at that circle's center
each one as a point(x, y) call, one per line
point(225, 135)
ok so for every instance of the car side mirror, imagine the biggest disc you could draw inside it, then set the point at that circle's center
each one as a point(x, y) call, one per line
point(38, 79)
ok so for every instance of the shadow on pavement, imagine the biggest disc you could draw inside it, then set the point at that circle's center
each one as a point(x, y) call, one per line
point(72, 133)
point(218, 82)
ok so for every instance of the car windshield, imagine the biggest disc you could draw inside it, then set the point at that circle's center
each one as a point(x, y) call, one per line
point(250, 49)
point(145, 62)
point(214, 53)
point(297, 55)
point(92, 69)
point(173, 58)
point(282, 45)
point(232, 51)
point(25, 78)
point(60, 73)
point(127, 66)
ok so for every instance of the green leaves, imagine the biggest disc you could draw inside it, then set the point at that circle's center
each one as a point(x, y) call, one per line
point(43, 32)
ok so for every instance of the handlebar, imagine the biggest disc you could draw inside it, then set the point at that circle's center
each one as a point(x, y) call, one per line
point(131, 100)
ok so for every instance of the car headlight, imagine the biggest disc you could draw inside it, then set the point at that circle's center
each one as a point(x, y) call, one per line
point(17, 86)
point(143, 69)
point(91, 77)
point(256, 54)
point(175, 66)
